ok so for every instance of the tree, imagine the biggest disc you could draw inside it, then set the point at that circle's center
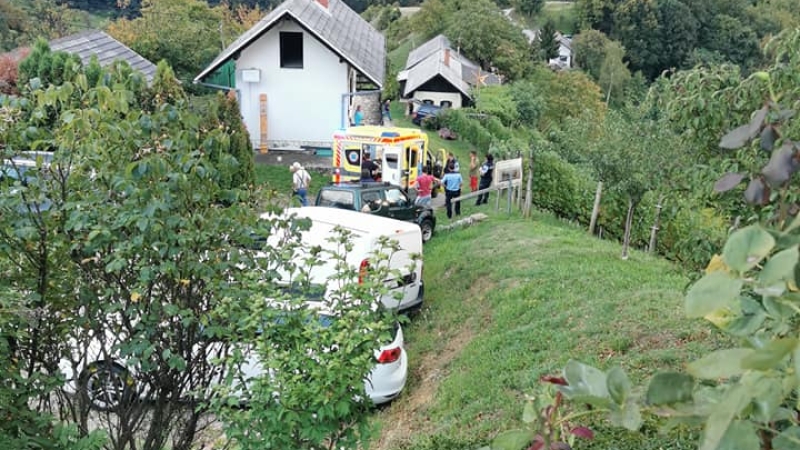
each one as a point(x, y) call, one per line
point(529, 7)
point(548, 42)
point(168, 30)
point(677, 31)
point(431, 19)
point(614, 73)
point(567, 94)
point(735, 41)
point(479, 29)
point(50, 20)
point(597, 14)
point(497, 101)
point(51, 68)
point(589, 48)
point(138, 241)
point(12, 24)
point(656, 35)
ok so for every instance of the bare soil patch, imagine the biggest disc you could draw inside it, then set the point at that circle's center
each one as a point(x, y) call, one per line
point(408, 415)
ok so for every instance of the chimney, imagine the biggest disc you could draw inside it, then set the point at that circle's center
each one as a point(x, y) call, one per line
point(323, 3)
point(447, 57)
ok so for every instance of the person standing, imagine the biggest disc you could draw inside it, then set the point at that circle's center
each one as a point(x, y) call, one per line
point(452, 181)
point(486, 171)
point(300, 182)
point(452, 158)
point(424, 184)
point(358, 116)
point(386, 112)
point(474, 167)
point(369, 169)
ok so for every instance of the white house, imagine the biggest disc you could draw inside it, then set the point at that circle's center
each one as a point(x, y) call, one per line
point(298, 70)
point(564, 58)
point(435, 73)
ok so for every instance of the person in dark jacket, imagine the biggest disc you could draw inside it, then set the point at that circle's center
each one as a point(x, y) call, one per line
point(487, 171)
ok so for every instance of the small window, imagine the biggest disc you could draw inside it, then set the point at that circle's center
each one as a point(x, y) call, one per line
point(446, 104)
point(391, 161)
point(292, 50)
point(412, 156)
point(427, 102)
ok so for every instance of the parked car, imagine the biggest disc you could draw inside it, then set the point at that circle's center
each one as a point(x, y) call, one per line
point(425, 110)
point(382, 199)
point(108, 383)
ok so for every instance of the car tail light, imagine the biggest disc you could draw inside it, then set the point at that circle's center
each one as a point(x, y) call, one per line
point(362, 271)
point(390, 355)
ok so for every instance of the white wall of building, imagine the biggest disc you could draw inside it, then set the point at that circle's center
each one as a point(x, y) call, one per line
point(303, 105)
point(439, 97)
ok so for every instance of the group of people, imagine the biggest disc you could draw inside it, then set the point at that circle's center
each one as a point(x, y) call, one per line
point(357, 119)
point(452, 182)
point(480, 177)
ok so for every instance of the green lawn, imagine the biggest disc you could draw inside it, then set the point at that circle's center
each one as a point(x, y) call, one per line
point(398, 56)
point(278, 180)
point(509, 300)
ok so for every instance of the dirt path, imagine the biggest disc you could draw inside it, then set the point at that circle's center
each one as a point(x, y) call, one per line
point(408, 415)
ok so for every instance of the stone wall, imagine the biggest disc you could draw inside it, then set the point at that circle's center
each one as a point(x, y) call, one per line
point(370, 106)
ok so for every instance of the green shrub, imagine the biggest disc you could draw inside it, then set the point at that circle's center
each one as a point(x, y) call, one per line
point(468, 128)
point(687, 234)
point(561, 187)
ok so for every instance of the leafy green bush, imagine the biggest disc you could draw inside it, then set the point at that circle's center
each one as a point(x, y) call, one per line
point(687, 234)
point(468, 128)
point(561, 187)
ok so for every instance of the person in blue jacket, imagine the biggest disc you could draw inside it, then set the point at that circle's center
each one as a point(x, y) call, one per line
point(452, 182)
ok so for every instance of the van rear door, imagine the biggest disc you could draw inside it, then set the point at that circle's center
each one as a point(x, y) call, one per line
point(406, 280)
point(391, 166)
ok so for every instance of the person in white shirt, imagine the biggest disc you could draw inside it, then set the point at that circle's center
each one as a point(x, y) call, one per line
point(300, 181)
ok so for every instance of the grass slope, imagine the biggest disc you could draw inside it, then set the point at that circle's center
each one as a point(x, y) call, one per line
point(509, 300)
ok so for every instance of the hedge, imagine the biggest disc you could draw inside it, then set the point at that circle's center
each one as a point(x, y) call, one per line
point(687, 234)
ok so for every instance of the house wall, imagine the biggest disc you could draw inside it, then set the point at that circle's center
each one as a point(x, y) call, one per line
point(438, 97)
point(303, 105)
point(438, 89)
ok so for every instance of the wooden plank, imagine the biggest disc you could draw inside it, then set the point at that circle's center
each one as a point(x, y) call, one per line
point(262, 104)
point(494, 187)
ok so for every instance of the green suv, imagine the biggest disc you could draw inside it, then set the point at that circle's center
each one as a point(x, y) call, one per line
point(383, 199)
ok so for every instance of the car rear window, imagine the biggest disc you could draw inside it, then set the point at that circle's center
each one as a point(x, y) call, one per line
point(336, 199)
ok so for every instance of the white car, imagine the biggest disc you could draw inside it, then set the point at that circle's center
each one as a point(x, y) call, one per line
point(109, 382)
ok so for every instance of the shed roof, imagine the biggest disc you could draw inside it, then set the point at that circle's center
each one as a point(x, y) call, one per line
point(107, 49)
point(434, 45)
point(337, 26)
point(428, 60)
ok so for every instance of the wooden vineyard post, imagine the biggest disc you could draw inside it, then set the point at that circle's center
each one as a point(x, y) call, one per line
point(596, 208)
point(262, 110)
point(654, 231)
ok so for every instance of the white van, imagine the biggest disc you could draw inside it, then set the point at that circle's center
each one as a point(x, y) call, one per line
point(367, 230)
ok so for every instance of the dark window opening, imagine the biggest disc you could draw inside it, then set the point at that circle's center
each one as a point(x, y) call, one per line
point(292, 50)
